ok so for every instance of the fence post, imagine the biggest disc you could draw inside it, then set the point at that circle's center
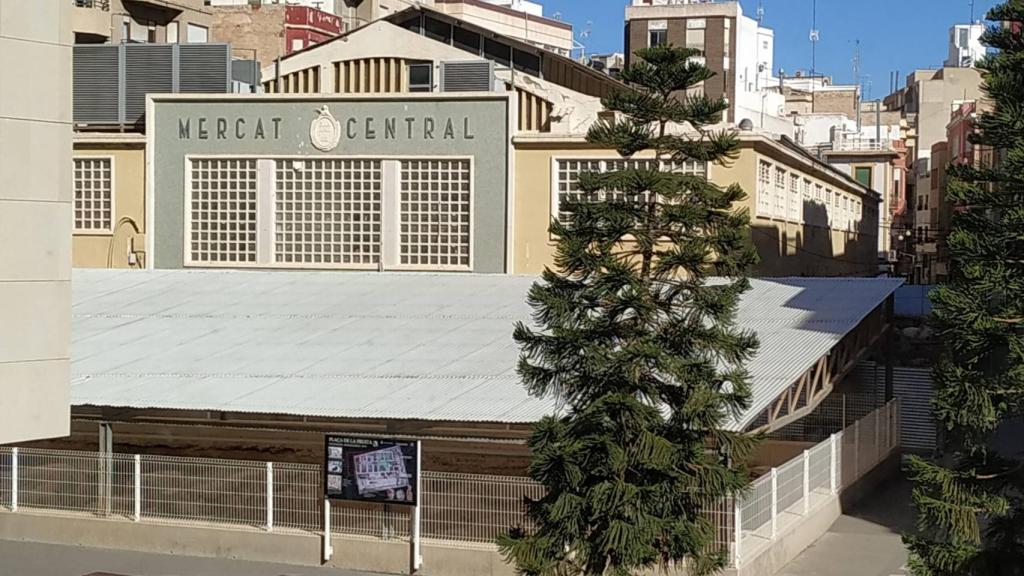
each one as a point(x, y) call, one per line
point(737, 532)
point(14, 479)
point(417, 556)
point(775, 502)
point(328, 550)
point(878, 445)
point(138, 488)
point(856, 451)
point(807, 481)
point(833, 483)
point(270, 496)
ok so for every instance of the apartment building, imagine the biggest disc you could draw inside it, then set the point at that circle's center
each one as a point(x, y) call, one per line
point(35, 220)
point(268, 31)
point(519, 19)
point(140, 21)
point(736, 48)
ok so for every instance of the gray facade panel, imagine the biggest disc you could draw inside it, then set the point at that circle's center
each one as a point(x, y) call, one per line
point(409, 128)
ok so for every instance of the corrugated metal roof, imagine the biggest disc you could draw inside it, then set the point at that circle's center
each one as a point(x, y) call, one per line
point(369, 345)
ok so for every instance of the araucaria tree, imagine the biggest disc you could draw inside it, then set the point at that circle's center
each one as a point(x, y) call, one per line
point(969, 498)
point(638, 344)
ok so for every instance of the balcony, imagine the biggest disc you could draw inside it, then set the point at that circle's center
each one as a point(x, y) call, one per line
point(856, 144)
point(91, 20)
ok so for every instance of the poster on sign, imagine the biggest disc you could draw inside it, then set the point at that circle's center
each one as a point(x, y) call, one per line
point(371, 470)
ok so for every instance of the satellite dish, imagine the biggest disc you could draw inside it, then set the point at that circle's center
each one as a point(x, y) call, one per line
point(746, 125)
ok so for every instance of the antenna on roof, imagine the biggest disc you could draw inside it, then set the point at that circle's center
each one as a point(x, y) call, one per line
point(557, 15)
point(971, 4)
point(760, 12)
point(814, 36)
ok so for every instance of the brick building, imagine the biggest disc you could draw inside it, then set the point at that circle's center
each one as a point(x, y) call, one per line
point(273, 30)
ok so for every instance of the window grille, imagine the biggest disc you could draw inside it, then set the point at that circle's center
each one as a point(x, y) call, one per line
point(222, 207)
point(795, 207)
point(764, 183)
point(780, 192)
point(328, 212)
point(93, 195)
point(568, 173)
point(434, 214)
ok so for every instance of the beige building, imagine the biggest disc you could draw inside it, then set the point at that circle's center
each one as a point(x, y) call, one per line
point(35, 213)
point(807, 218)
point(146, 21)
point(515, 19)
point(110, 168)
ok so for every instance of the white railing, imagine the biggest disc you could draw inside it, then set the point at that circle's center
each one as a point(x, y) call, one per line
point(784, 495)
point(464, 509)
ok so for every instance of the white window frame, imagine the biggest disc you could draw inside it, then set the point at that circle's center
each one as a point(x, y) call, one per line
point(765, 191)
point(795, 198)
point(781, 189)
point(555, 211)
point(189, 26)
point(266, 190)
point(175, 37)
point(113, 197)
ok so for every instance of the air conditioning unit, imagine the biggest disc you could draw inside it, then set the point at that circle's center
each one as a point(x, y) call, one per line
point(467, 76)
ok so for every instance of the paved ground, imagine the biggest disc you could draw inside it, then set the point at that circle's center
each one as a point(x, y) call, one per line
point(24, 559)
point(865, 541)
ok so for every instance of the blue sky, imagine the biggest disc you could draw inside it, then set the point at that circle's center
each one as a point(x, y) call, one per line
point(894, 34)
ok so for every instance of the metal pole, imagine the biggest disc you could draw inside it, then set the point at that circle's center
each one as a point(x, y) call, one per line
point(737, 531)
point(14, 479)
point(833, 483)
point(270, 496)
point(417, 557)
point(328, 550)
point(878, 426)
point(856, 450)
point(807, 481)
point(138, 488)
point(775, 502)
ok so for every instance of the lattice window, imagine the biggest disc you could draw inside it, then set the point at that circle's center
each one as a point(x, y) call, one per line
point(568, 172)
point(780, 192)
point(222, 212)
point(434, 213)
point(328, 212)
point(764, 188)
point(94, 202)
point(819, 193)
point(795, 206)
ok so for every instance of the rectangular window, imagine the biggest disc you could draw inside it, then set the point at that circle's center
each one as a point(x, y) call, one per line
point(421, 77)
point(780, 192)
point(196, 34)
point(657, 38)
point(862, 174)
point(695, 39)
point(222, 212)
point(795, 206)
point(172, 32)
point(764, 190)
point(339, 213)
point(94, 203)
point(819, 194)
point(568, 171)
point(435, 209)
point(328, 212)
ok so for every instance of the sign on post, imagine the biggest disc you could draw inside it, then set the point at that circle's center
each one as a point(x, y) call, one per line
point(371, 470)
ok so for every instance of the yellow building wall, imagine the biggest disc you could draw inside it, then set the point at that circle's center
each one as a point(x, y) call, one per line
point(129, 173)
point(785, 248)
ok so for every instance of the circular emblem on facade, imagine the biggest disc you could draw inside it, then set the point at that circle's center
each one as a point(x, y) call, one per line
point(325, 130)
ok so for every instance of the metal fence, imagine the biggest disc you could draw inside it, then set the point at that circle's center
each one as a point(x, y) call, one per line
point(459, 509)
point(787, 493)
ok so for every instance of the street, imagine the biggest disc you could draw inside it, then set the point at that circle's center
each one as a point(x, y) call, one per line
point(29, 558)
point(865, 541)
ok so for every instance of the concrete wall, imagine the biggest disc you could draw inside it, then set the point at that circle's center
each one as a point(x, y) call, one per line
point(111, 250)
point(786, 248)
point(35, 218)
point(247, 29)
point(551, 34)
point(486, 141)
point(299, 548)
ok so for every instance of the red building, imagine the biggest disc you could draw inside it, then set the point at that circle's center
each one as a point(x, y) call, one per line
point(306, 26)
point(272, 30)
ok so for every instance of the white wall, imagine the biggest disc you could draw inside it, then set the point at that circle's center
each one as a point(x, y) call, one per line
point(35, 219)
